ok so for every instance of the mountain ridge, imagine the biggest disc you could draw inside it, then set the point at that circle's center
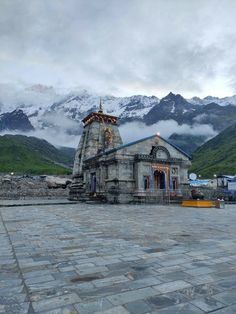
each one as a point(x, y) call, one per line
point(61, 114)
point(149, 109)
point(16, 120)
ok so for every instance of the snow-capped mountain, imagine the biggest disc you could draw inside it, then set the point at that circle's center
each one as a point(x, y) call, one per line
point(56, 114)
point(38, 99)
point(77, 106)
point(171, 107)
point(16, 120)
point(225, 101)
point(44, 106)
point(47, 108)
point(176, 108)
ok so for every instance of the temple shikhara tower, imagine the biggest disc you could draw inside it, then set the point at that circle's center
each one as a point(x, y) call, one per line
point(100, 133)
point(107, 169)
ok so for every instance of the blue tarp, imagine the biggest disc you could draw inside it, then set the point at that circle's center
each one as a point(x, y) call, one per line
point(199, 182)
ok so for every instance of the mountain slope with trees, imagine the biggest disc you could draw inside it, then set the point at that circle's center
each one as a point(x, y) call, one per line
point(217, 156)
point(30, 155)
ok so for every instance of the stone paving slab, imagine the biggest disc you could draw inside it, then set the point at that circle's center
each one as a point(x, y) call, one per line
point(145, 259)
point(183, 308)
point(208, 304)
point(227, 310)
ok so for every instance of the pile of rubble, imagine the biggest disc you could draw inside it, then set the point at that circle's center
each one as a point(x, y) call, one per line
point(21, 187)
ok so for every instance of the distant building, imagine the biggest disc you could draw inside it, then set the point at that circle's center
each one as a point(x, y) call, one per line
point(207, 183)
point(106, 168)
point(227, 182)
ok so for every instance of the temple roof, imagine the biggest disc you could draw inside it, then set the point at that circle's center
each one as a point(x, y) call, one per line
point(100, 117)
point(144, 139)
point(112, 150)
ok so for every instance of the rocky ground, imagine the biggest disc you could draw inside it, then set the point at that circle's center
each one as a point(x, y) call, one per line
point(22, 187)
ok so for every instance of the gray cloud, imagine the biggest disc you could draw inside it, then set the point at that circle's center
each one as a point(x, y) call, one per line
point(135, 130)
point(121, 47)
point(57, 137)
point(131, 131)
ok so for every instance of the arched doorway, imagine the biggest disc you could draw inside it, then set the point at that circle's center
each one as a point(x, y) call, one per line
point(160, 180)
point(93, 183)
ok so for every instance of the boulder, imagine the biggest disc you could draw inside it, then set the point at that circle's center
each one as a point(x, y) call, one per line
point(57, 182)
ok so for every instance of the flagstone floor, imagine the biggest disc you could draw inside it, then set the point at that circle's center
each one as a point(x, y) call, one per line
point(117, 259)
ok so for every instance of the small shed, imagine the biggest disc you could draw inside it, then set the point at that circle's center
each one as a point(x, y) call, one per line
point(226, 181)
point(232, 184)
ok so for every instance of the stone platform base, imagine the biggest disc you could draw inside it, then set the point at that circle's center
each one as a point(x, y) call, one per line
point(198, 203)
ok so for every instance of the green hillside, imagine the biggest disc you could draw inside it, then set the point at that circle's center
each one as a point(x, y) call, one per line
point(217, 156)
point(187, 142)
point(30, 155)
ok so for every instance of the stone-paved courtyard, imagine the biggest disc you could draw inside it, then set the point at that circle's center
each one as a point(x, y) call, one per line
point(117, 259)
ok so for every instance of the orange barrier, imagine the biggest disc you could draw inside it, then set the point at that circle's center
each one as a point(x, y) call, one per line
point(198, 203)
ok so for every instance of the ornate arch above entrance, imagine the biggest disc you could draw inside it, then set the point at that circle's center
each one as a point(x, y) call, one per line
point(160, 152)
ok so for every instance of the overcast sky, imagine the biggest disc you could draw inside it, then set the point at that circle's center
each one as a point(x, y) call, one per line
point(121, 47)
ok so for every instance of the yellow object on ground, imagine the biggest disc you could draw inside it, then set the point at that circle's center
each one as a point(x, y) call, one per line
point(198, 203)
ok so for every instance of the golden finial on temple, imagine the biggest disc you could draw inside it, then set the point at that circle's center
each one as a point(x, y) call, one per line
point(100, 106)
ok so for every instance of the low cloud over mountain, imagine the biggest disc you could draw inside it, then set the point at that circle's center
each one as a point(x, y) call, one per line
point(135, 130)
point(56, 115)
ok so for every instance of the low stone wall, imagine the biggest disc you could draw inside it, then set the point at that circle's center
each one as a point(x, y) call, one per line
point(26, 187)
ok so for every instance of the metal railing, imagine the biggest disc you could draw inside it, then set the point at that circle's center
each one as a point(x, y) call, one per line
point(158, 196)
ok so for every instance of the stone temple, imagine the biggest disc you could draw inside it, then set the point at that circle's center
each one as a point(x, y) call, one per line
point(144, 170)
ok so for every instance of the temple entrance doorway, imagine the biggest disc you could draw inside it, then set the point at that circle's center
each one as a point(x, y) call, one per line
point(159, 180)
point(93, 183)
